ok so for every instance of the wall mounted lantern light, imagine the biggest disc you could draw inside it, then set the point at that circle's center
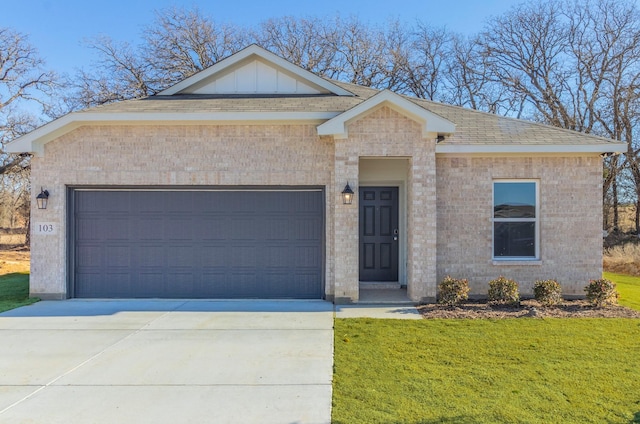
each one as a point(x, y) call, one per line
point(42, 198)
point(347, 195)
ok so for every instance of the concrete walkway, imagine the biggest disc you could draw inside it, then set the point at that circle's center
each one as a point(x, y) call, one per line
point(390, 311)
point(167, 362)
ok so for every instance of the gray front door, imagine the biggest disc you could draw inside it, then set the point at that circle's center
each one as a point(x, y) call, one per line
point(379, 234)
point(198, 243)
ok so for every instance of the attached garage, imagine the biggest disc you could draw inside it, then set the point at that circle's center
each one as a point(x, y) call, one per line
point(197, 243)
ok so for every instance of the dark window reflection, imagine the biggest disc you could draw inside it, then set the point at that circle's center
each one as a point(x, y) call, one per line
point(514, 200)
point(514, 239)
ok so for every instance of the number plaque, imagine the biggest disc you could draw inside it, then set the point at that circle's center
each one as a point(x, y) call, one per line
point(45, 228)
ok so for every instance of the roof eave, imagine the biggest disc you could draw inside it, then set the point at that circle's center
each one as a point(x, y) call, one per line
point(432, 123)
point(601, 148)
point(34, 141)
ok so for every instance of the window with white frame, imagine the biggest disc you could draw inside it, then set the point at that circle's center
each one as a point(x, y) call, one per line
point(516, 219)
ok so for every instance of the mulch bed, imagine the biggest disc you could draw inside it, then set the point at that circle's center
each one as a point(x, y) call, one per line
point(526, 309)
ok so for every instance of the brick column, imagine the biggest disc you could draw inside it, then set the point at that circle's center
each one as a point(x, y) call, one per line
point(345, 225)
point(421, 204)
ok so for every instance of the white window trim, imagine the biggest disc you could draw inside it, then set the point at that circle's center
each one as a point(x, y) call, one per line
point(503, 259)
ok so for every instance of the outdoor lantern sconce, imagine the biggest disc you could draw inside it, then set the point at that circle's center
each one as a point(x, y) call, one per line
point(347, 195)
point(42, 198)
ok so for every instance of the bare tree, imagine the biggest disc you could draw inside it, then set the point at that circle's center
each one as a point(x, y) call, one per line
point(310, 43)
point(359, 53)
point(577, 66)
point(397, 50)
point(470, 82)
point(430, 47)
point(182, 42)
point(605, 42)
point(526, 51)
point(176, 45)
point(25, 87)
point(343, 49)
point(23, 83)
point(119, 74)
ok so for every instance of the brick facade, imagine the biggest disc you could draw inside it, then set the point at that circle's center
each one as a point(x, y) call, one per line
point(570, 220)
point(245, 155)
point(448, 212)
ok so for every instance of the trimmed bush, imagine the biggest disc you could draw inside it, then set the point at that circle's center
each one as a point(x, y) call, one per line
point(452, 291)
point(503, 290)
point(602, 292)
point(547, 292)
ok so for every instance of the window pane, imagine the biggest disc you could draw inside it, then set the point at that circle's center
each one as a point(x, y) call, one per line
point(514, 200)
point(514, 239)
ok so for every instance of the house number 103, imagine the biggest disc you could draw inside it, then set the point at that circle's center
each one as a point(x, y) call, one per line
point(45, 228)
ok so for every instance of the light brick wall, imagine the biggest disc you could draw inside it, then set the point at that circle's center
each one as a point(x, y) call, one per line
point(286, 155)
point(386, 133)
point(570, 220)
point(270, 155)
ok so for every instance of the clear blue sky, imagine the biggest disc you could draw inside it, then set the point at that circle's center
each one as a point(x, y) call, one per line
point(57, 27)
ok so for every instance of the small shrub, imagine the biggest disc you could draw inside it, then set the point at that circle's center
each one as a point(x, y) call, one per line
point(547, 292)
point(602, 292)
point(503, 290)
point(453, 291)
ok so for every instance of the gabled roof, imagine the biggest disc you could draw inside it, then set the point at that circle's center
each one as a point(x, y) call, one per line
point(431, 122)
point(284, 93)
point(486, 133)
point(255, 70)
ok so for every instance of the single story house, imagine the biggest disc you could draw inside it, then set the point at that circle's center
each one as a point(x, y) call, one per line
point(237, 181)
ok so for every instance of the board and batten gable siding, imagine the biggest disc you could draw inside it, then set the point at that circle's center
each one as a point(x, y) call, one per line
point(570, 220)
point(191, 155)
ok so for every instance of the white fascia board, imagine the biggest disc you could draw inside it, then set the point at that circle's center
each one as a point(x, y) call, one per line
point(265, 55)
point(28, 143)
point(34, 141)
point(612, 147)
point(433, 123)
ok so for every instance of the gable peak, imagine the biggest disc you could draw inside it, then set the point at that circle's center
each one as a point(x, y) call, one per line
point(255, 71)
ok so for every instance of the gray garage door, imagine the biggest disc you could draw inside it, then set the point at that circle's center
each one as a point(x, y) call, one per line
point(198, 244)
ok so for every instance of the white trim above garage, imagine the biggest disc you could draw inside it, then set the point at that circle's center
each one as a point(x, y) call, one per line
point(34, 141)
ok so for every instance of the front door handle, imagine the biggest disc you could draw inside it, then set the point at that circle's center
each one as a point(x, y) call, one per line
point(395, 235)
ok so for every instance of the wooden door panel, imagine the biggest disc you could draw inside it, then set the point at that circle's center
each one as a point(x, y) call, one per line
point(379, 234)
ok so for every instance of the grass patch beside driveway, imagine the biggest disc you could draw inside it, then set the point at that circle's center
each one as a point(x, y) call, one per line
point(14, 291)
point(628, 287)
point(486, 371)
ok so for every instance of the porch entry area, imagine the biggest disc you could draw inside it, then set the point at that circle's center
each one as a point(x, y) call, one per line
point(382, 229)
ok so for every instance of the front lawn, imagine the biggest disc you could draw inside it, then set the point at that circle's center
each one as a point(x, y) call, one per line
point(14, 291)
point(628, 287)
point(487, 371)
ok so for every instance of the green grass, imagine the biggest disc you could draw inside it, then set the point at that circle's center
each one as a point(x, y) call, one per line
point(14, 291)
point(628, 287)
point(487, 371)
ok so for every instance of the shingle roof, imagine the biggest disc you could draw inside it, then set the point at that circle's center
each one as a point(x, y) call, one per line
point(476, 127)
point(472, 127)
point(475, 132)
point(210, 103)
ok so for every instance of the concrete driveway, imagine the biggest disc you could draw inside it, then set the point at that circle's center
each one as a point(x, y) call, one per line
point(167, 362)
